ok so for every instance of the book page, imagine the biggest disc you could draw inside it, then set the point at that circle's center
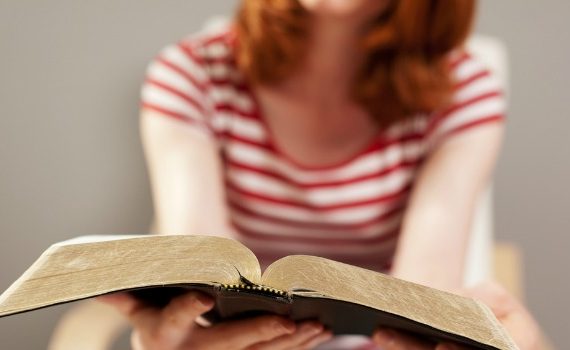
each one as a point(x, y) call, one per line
point(69, 271)
point(320, 277)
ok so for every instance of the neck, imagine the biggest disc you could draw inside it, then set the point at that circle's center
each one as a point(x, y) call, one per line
point(332, 58)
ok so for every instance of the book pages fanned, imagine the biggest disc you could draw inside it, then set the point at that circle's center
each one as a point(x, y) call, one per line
point(67, 272)
point(444, 311)
point(345, 298)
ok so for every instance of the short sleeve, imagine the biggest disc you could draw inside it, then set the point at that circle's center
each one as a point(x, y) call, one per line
point(478, 99)
point(176, 87)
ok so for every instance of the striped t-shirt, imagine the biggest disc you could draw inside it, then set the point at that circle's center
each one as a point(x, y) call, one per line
point(351, 211)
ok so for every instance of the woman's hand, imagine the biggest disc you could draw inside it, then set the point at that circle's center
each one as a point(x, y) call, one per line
point(516, 319)
point(174, 327)
point(512, 315)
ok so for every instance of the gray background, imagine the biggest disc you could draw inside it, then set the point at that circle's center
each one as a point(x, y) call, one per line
point(71, 162)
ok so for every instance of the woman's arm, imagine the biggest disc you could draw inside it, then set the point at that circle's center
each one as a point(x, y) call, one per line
point(438, 220)
point(186, 177)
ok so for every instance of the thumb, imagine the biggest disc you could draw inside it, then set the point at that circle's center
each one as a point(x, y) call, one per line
point(123, 302)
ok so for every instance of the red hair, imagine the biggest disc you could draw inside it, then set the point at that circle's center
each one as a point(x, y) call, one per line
point(406, 67)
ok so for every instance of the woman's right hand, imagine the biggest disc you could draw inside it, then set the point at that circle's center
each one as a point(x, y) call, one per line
point(174, 327)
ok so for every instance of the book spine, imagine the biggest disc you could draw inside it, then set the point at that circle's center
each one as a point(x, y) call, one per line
point(256, 289)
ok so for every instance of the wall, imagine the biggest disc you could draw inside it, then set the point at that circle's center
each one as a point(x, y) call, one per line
point(71, 162)
point(532, 192)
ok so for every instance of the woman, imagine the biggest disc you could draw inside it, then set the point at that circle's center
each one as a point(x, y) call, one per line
point(356, 130)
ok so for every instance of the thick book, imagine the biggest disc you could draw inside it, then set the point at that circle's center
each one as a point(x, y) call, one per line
point(346, 299)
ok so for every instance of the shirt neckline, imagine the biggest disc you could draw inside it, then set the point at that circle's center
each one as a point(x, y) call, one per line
point(375, 143)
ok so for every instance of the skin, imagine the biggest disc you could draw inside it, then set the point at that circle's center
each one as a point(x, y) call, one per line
point(314, 121)
point(345, 10)
point(446, 192)
point(510, 313)
point(175, 327)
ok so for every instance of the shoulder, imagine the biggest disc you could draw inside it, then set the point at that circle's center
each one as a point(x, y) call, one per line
point(476, 75)
point(478, 97)
point(197, 80)
point(201, 56)
point(214, 42)
point(178, 80)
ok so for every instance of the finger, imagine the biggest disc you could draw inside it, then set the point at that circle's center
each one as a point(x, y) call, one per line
point(305, 332)
point(123, 302)
point(389, 339)
point(245, 333)
point(317, 340)
point(488, 291)
point(511, 313)
point(178, 317)
point(494, 296)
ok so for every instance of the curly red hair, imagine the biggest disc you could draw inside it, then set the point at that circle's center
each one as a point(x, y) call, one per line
point(406, 67)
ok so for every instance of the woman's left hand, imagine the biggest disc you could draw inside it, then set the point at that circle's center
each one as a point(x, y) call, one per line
point(511, 314)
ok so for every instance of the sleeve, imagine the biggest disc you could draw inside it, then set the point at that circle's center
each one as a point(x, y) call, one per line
point(176, 87)
point(478, 99)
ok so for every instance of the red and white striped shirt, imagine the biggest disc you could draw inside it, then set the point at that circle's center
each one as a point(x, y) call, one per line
point(351, 211)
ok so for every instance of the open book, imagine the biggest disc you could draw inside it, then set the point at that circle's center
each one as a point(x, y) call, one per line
point(345, 298)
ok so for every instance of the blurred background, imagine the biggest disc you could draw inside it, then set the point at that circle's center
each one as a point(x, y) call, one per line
point(71, 162)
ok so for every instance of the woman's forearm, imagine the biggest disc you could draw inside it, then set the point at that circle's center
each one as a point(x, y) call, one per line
point(186, 178)
point(432, 248)
point(439, 216)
